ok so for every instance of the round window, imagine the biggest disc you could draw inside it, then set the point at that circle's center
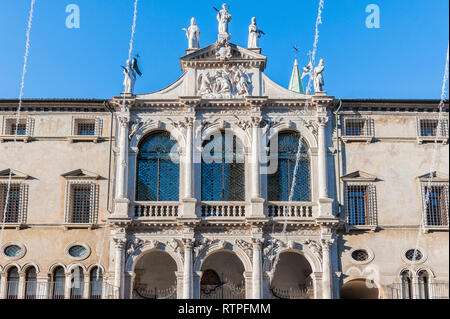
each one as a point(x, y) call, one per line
point(13, 251)
point(78, 251)
point(414, 254)
point(360, 255)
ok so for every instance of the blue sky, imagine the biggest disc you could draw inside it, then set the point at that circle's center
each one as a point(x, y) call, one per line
point(404, 58)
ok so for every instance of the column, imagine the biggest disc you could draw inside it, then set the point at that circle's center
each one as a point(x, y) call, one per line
point(21, 287)
point(327, 292)
point(188, 269)
point(188, 193)
point(121, 185)
point(3, 284)
point(119, 244)
point(322, 157)
point(255, 158)
point(257, 269)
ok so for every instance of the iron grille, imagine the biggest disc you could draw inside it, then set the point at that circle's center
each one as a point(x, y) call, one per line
point(223, 170)
point(31, 284)
point(158, 169)
point(413, 254)
point(360, 255)
point(436, 205)
point(280, 183)
point(361, 204)
point(81, 203)
point(13, 206)
point(77, 284)
point(355, 127)
point(86, 128)
point(12, 283)
point(18, 129)
point(96, 283)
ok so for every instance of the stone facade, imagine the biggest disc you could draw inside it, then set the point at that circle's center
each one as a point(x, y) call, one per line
point(176, 249)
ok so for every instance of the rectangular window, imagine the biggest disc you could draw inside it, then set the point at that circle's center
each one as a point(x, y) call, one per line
point(81, 204)
point(86, 128)
point(13, 205)
point(18, 129)
point(428, 127)
point(360, 205)
point(436, 208)
point(355, 127)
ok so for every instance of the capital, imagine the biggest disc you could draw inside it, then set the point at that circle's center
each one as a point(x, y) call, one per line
point(327, 243)
point(119, 243)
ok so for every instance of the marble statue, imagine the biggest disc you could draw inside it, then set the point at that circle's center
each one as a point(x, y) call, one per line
point(318, 77)
point(130, 72)
point(253, 35)
point(225, 83)
point(315, 75)
point(223, 17)
point(193, 35)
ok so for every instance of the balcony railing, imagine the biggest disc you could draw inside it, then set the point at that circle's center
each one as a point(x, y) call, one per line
point(222, 209)
point(156, 209)
point(302, 210)
point(436, 290)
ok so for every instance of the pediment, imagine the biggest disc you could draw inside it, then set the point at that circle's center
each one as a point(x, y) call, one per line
point(359, 176)
point(4, 174)
point(80, 174)
point(435, 177)
point(207, 57)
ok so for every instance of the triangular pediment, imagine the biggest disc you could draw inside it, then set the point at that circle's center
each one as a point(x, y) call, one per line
point(80, 174)
point(435, 177)
point(359, 176)
point(4, 174)
point(208, 57)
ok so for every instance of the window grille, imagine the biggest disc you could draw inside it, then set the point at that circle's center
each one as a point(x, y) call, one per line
point(96, 283)
point(86, 128)
point(16, 206)
point(280, 183)
point(158, 169)
point(12, 284)
point(406, 285)
point(413, 254)
point(83, 203)
point(59, 283)
point(358, 126)
point(18, 129)
point(423, 285)
point(431, 128)
point(361, 204)
point(360, 255)
point(436, 207)
point(77, 284)
point(31, 283)
point(223, 169)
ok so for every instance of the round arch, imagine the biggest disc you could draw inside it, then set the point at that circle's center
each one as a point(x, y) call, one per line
point(157, 126)
point(133, 260)
point(242, 135)
point(313, 260)
point(358, 288)
point(75, 265)
point(8, 267)
point(31, 264)
point(218, 247)
point(308, 136)
point(52, 268)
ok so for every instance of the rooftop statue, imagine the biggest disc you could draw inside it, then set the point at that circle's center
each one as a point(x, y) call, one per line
point(253, 35)
point(193, 35)
point(130, 72)
point(223, 17)
point(315, 75)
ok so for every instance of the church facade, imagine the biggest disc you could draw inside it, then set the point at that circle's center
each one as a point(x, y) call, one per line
point(224, 185)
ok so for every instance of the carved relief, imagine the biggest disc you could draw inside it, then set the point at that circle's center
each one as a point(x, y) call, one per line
point(315, 247)
point(245, 246)
point(225, 83)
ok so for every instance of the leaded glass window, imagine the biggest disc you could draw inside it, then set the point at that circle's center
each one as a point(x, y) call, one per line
point(223, 169)
point(280, 183)
point(158, 169)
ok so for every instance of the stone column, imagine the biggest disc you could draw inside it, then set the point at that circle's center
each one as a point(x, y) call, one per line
point(188, 193)
point(327, 289)
point(188, 269)
point(21, 287)
point(255, 158)
point(119, 245)
point(257, 269)
point(68, 285)
point(42, 287)
point(121, 184)
point(322, 157)
point(3, 284)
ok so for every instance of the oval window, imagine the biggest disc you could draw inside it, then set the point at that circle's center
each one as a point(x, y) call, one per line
point(360, 255)
point(13, 251)
point(78, 251)
point(413, 254)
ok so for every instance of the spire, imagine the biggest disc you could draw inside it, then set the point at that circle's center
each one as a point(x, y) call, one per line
point(296, 83)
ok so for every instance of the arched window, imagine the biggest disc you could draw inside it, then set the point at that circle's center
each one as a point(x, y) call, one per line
point(30, 283)
point(96, 283)
point(77, 283)
point(12, 283)
point(423, 285)
point(59, 283)
point(280, 183)
point(406, 285)
point(158, 169)
point(223, 168)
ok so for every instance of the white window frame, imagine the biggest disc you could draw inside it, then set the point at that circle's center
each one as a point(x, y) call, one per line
point(74, 137)
point(442, 135)
point(369, 131)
